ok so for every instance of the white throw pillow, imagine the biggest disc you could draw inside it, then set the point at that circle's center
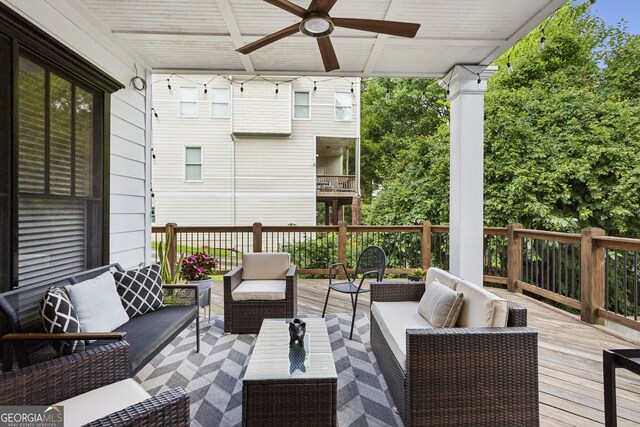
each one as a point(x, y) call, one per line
point(97, 304)
point(440, 305)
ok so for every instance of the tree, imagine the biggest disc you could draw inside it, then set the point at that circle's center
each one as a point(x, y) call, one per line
point(561, 137)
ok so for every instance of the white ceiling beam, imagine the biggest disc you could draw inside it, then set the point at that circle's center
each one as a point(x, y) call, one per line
point(381, 39)
point(525, 29)
point(234, 31)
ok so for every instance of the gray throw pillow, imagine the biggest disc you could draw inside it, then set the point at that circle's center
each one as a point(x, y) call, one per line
point(440, 305)
point(97, 304)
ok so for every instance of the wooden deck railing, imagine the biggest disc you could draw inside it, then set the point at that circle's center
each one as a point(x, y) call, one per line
point(590, 272)
point(336, 183)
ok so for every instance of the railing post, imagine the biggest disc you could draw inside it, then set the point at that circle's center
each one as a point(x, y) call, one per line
point(591, 275)
point(425, 245)
point(514, 257)
point(257, 237)
point(172, 250)
point(342, 246)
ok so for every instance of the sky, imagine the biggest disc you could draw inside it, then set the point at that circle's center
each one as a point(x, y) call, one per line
point(611, 11)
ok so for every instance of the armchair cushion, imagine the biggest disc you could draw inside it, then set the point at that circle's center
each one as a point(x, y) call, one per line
point(394, 318)
point(481, 308)
point(440, 305)
point(140, 289)
point(97, 403)
point(265, 266)
point(260, 290)
point(97, 304)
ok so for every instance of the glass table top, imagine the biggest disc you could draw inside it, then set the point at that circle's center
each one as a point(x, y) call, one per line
point(274, 359)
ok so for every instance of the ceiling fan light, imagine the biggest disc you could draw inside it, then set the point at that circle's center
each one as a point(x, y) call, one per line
point(316, 25)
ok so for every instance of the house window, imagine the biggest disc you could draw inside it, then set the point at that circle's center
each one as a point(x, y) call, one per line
point(188, 102)
point(54, 192)
point(220, 102)
point(193, 164)
point(301, 109)
point(343, 106)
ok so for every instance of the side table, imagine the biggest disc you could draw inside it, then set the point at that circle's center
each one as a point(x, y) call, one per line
point(628, 359)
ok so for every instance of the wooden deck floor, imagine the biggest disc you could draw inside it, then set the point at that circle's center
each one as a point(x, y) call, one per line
point(570, 357)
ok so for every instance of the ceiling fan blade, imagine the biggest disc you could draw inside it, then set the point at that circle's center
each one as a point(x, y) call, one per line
point(269, 39)
point(323, 6)
point(289, 7)
point(329, 57)
point(394, 28)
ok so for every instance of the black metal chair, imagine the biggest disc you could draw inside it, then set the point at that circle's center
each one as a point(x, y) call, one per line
point(371, 261)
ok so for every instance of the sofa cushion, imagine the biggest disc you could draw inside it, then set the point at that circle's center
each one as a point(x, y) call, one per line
point(260, 290)
point(442, 276)
point(481, 308)
point(140, 289)
point(97, 304)
point(265, 266)
point(440, 305)
point(151, 332)
point(394, 318)
point(98, 403)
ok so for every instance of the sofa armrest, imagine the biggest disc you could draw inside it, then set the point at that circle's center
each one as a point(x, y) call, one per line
point(396, 291)
point(517, 315)
point(169, 408)
point(65, 377)
point(450, 370)
point(189, 297)
point(232, 279)
point(64, 336)
point(291, 290)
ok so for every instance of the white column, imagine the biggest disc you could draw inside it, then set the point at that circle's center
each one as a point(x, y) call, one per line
point(467, 169)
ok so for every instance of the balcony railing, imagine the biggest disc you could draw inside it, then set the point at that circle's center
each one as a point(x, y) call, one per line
point(589, 272)
point(336, 183)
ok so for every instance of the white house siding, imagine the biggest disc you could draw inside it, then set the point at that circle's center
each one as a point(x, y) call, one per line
point(270, 179)
point(70, 23)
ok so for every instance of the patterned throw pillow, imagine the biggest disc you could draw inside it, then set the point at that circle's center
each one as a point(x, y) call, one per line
point(58, 314)
point(140, 289)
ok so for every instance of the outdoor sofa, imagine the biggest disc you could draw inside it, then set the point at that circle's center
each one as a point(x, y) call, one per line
point(482, 372)
point(147, 334)
point(95, 388)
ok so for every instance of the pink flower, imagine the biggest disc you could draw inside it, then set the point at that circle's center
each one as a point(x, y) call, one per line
point(200, 269)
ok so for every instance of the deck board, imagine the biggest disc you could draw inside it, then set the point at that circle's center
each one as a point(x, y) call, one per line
point(570, 357)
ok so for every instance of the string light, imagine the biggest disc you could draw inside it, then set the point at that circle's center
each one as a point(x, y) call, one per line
point(276, 88)
point(241, 87)
point(351, 88)
point(388, 94)
point(479, 79)
point(169, 83)
point(423, 96)
point(205, 88)
point(543, 39)
point(315, 87)
point(153, 110)
point(153, 154)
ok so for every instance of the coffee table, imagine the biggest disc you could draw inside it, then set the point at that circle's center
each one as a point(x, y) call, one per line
point(290, 386)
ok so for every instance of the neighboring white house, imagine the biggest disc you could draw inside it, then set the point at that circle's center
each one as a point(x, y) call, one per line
point(234, 150)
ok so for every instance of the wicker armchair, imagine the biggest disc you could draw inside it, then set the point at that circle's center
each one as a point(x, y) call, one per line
point(460, 376)
point(54, 381)
point(245, 316)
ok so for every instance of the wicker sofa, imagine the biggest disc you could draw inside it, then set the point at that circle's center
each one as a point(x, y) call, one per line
point(24, 339)
point(92, 383)
point(264, 286)
point(480, 376)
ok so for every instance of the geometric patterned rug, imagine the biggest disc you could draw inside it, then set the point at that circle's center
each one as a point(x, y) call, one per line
point(213, 377)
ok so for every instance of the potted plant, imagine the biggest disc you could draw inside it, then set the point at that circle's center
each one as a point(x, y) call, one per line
point(197, 269)
point(417, 275)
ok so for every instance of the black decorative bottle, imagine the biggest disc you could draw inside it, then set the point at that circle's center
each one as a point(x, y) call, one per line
point(297, 329)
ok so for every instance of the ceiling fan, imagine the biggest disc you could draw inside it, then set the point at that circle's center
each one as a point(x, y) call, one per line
point(317, 23)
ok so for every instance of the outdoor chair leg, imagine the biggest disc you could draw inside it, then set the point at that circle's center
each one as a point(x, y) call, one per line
point(325, 302)
point(353, 316)
point(198, 333)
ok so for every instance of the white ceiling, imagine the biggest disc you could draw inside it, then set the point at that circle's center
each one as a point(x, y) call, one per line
point(202, 35)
